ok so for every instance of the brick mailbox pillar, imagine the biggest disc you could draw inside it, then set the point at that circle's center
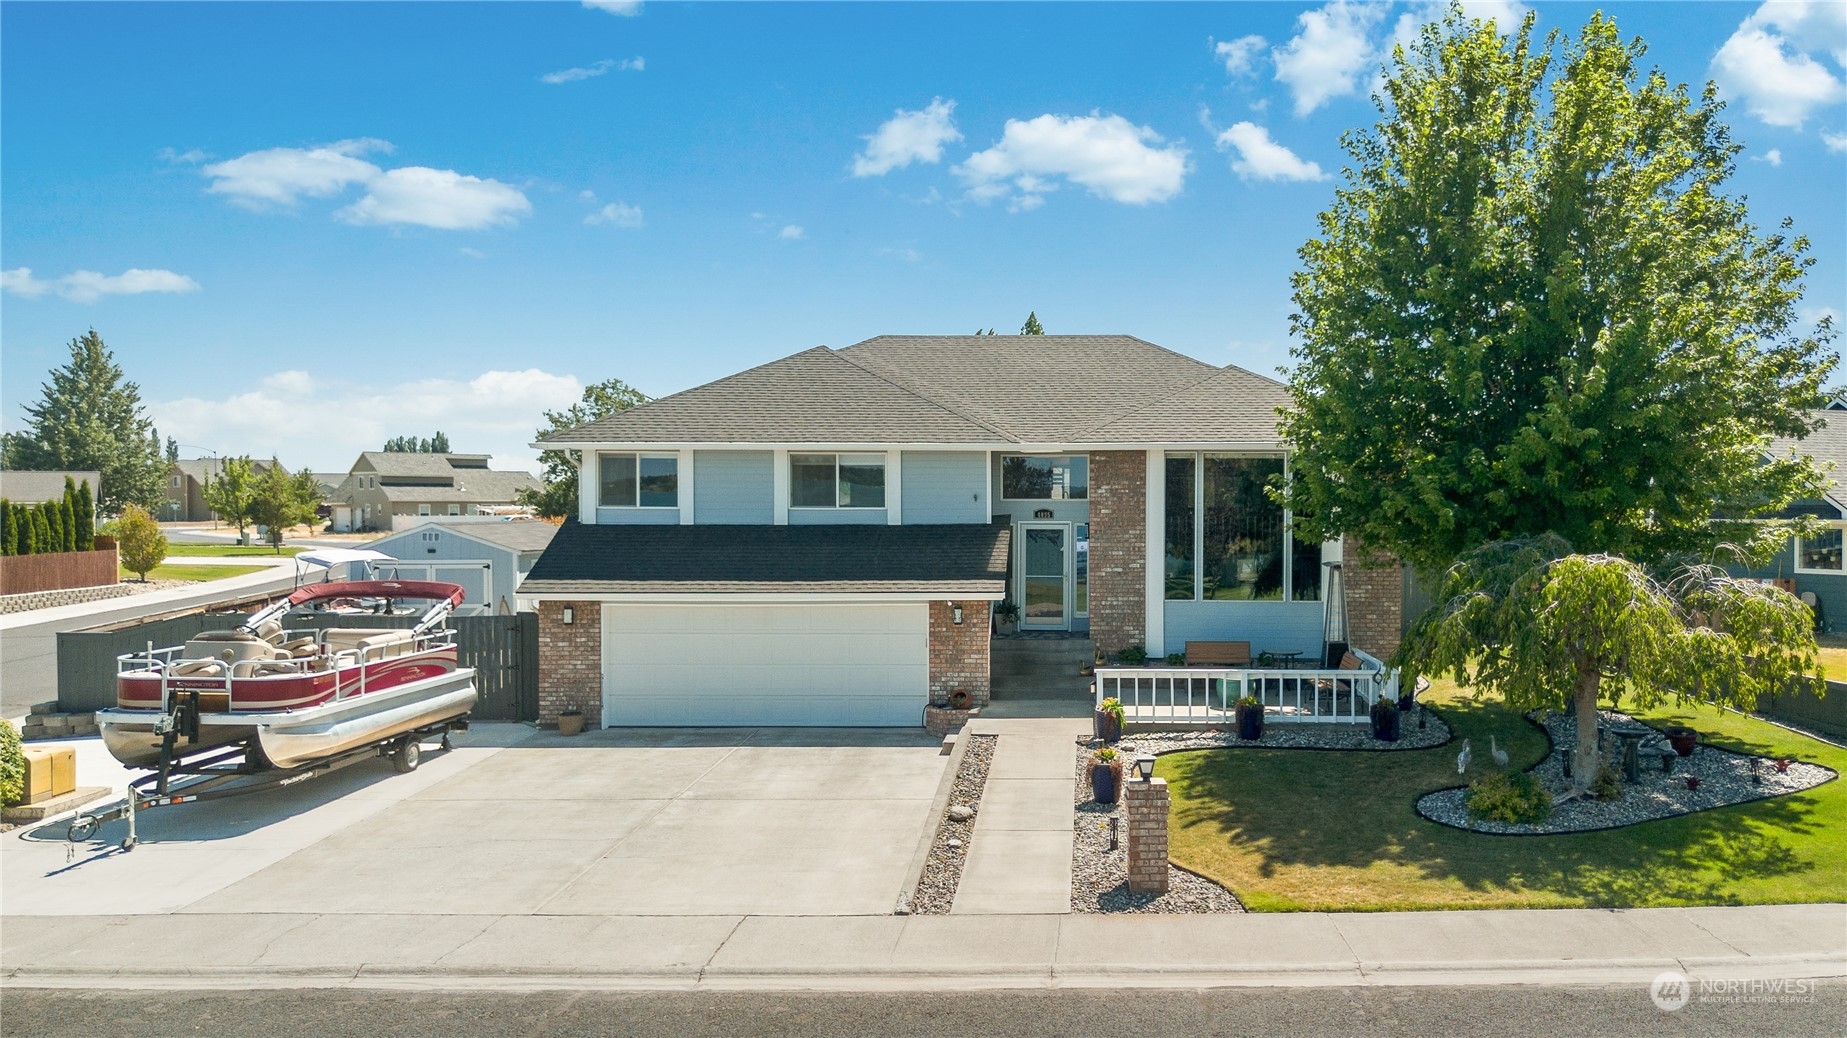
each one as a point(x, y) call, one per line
point(1145, 804)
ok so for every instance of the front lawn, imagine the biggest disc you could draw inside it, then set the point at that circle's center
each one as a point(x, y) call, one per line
point(1292, 830)
point(167, 571)
point(227, 551)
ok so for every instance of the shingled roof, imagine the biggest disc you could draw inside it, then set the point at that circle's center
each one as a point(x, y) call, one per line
point(963, 389)
point(950, 559)
point(1826, 445)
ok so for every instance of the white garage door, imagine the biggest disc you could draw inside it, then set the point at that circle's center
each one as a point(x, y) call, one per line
point(824, 665)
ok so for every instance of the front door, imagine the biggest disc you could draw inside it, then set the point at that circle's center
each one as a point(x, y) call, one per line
point(1044, 578)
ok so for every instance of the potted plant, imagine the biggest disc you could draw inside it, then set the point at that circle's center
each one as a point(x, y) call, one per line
point(570, 719)
point(959, 699)
point(1108, 720)
point(1385, 720)
point(1106, 775)
point(1682, 738)
point(1006, 617)
point(1249, 712)
point(1133, 656)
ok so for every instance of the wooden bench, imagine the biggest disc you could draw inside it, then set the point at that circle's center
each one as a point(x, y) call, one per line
point(1218, 654)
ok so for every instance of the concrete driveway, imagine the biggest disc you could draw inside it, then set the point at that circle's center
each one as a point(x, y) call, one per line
point(635, 822)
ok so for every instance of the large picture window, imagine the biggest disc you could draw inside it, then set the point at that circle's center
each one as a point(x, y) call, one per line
point(837, 480)
point(1027, 478)
point(638, 481)
point(1820, 553)
point(1226, 540)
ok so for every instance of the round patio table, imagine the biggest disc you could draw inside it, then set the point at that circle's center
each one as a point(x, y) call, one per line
point(1287, 659)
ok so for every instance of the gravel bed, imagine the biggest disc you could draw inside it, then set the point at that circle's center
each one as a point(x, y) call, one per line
point(1291, 735)
point(1725, 778)
point(1100, 876)
point(936, 888)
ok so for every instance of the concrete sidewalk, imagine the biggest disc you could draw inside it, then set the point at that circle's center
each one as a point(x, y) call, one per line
point(463, 951)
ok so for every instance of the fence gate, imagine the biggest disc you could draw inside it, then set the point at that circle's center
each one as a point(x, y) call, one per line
point(504, 650)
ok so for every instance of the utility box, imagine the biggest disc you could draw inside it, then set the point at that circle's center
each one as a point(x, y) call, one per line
point(51, 771)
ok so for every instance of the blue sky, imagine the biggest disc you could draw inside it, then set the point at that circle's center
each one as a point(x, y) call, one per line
point(307, 227)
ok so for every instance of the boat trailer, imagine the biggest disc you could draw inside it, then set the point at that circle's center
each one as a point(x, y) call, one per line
point(217, 775)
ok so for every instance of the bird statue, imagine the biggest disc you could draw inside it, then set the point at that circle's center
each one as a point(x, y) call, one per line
point(1495, 751)
point(1462, 759)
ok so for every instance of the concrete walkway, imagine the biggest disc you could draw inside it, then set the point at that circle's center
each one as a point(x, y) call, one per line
point(460, 950)
point(1019, 860)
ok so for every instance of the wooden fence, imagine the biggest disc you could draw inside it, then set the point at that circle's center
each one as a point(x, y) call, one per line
point(57, 571)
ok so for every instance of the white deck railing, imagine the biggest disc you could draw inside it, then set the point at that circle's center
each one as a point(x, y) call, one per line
point(1207, 695)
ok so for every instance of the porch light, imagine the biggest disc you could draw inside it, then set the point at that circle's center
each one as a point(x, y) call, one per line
point(955, 613)
point(570, 615)
point(1144, 767)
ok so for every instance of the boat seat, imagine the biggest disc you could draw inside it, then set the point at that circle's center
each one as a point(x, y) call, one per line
point(270, 631)
point(306, 641)
point(388, 643)
point(199, 669)
point(302, 652)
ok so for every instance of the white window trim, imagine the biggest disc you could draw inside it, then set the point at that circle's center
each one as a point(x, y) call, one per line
point(885, 466)
point(1796, 553)
point(1067, 455)
point(679, 492)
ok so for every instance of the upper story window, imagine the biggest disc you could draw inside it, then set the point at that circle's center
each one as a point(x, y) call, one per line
point(638, 481)
point(1027, 478)
point(1225, 538)
point(837, 480)
point(1820, 553)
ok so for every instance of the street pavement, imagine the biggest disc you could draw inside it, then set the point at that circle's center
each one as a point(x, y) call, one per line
point(1429, 1011)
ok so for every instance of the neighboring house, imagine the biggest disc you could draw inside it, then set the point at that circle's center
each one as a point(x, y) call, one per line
point(184, 495)
point(1814, 565)
point(31, 488)
point(488, 557)
point(820, 540)
point(384, 486)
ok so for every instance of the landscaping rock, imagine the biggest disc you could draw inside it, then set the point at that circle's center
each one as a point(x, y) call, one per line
point(961, 812)
point(1725, 778)
point(942, 871)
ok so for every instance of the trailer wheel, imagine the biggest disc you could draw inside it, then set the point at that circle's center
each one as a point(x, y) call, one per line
point(407, 756)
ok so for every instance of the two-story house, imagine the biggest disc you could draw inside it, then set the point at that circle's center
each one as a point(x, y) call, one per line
point(821, 540)
point(383, 487)
point(183, 498)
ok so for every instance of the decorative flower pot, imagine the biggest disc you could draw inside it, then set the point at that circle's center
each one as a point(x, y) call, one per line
point(1782, 765)
point(1385, 721)
point(1250, 723)
point(1108, 727)
point(1104, 785)
point(1682, 738)
point(570, 724)
point(1692, 782)
point(958, 700)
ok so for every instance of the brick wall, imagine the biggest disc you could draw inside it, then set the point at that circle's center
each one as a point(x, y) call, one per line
point(1375, 599)
point(571, 661)
point(959, 653)
point(1118, 549)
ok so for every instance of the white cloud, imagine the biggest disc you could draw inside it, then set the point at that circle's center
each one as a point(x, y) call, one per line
point(87, 286)
point(1240, 55)
point(615, 214)
point(1260, 158)
point(908, 137)
point(601, 68)
point(281, 176)
point(1774, 156)
point(1327, 57)
point(792, 233)
point(494, 413)
point(1505, 14)
point(904, 252)
point(439, 198)
point(1770, 62)
point(190, 157)
point(1107, 154)
point(620, 8)
point(1834, 141)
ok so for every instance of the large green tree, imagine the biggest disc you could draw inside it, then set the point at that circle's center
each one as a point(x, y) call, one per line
point(231, 491)
point(90, 417)
point(1032, 325)
point(1532, 308)
point(558, 496)
point(279, 501)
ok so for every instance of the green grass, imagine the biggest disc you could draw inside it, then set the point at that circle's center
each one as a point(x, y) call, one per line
point(168, 571)
point(226, 551)
point(1324, 831)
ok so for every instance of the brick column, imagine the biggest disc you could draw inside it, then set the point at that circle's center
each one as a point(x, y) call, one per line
point(1145, 805)
point(959, 652)
point(1375, 599)
point(571, 661)
point(1118, 549)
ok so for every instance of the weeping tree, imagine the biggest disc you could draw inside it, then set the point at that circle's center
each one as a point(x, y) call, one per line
point(1543, 627)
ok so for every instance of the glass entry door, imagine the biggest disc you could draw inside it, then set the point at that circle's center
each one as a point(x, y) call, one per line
point(1045, 586)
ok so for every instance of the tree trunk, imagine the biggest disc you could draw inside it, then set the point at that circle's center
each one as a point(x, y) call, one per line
point(1584, 761)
